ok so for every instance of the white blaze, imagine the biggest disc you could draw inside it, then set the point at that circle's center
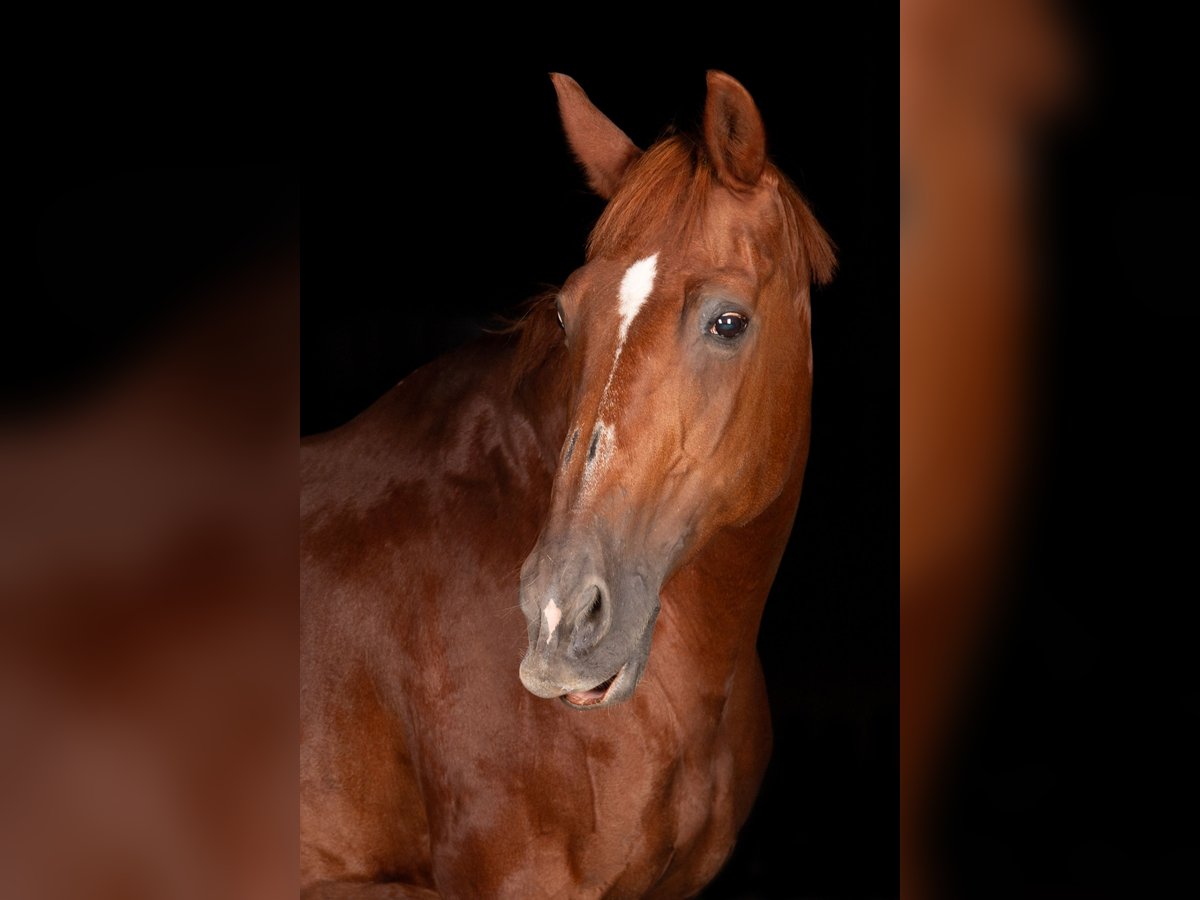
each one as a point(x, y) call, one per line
point(552, 616)
point(636, 286)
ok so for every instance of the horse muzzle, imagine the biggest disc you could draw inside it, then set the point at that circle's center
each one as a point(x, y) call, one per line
point(589, 626)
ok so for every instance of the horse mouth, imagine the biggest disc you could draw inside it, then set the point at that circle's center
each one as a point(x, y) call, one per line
point(597, 695)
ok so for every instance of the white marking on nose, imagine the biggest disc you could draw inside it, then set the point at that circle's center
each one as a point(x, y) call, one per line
point(553, 614)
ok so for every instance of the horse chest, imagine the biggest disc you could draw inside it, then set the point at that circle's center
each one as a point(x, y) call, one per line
point(613, 805)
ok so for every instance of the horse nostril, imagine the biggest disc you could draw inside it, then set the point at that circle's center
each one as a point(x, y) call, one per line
point(593, 610)
point(590, 622)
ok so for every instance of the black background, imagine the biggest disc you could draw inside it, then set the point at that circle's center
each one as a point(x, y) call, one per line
point(468, 202)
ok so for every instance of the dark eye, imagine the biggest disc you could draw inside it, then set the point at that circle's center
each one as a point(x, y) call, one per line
point(728, 325)
point(561, 324)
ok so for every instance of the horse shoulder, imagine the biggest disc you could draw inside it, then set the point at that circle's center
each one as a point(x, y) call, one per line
point(410, 513)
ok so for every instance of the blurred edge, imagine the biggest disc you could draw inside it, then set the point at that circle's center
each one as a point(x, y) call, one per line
point(1046, 182)
point(147, 537)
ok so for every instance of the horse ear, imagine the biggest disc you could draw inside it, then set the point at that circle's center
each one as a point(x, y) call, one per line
point(602, 148)
point(733, 131)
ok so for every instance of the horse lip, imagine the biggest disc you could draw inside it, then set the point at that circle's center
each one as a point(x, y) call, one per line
point(612, 681)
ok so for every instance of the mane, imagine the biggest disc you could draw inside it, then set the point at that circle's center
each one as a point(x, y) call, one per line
point(538, 337)
point(669, 185)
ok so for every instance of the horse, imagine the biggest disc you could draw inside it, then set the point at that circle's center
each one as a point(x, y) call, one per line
point(533, 572)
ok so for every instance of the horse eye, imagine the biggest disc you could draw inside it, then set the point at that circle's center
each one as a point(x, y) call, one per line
point(561, 324)
point(728, 325)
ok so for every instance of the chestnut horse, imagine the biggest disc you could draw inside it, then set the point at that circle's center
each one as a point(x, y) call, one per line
point(645, 432)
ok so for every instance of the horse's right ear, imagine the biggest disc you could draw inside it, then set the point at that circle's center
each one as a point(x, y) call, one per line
point(602, 148)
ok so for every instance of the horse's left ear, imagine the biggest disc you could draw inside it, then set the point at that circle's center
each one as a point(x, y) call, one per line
point(733, 132)
point(603, 149)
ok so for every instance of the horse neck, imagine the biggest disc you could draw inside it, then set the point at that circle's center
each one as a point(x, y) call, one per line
point(717, 597)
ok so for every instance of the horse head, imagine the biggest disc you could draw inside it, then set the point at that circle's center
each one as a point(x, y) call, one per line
point(687, 341)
